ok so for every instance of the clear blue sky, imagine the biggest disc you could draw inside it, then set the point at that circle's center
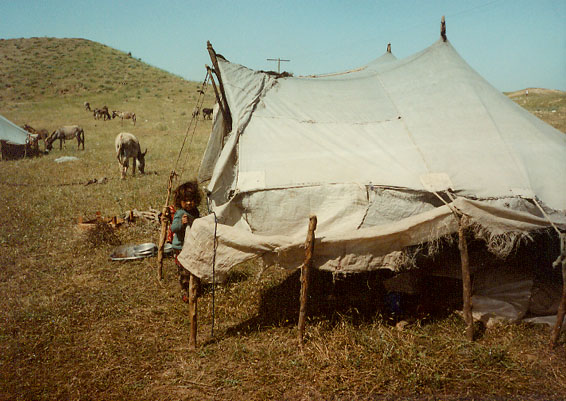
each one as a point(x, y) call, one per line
point(514, 44)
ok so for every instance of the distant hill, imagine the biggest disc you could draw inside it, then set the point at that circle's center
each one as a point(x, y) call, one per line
point(31, 69)
point(547, 104)
point(39, 68)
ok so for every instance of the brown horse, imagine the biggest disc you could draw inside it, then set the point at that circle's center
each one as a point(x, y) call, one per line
point(103, 112)
point(207, 113)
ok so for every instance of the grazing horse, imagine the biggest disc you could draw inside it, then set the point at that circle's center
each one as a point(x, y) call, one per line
point(195, 112)
point(87, 106)
point(207, 113)
point(124, 115)
point(64, 133)
point(128, 146)
point(101, 113)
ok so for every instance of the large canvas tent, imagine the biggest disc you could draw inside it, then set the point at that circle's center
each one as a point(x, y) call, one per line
point(394, 154)
point(381, 154)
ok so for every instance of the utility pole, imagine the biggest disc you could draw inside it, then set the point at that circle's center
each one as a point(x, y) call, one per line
point(279, 60)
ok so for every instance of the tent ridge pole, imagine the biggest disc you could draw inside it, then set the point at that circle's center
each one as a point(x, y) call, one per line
point(218, 99)
point(214, 60)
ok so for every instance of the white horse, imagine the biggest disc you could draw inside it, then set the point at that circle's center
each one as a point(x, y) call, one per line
point(128, 146)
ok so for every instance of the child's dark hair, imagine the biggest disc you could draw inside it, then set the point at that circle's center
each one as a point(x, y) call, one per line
point(187, 191)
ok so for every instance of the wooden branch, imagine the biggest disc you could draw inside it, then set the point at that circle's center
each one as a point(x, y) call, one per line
point(214, 60)
point(562, 308)
point(164, 224)
point(466, 280)
point(305, 272)
point(194, 283)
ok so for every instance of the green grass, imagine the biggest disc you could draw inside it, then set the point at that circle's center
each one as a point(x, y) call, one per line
point(75, 325)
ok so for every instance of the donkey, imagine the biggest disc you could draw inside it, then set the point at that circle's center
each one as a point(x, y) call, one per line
point(42, 134)
point(124, 115)
point(128, 146)
point(207, 113)
point(64, 133)
point(102, 112)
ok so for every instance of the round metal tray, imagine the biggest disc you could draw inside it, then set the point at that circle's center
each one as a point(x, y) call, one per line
point(131, 252)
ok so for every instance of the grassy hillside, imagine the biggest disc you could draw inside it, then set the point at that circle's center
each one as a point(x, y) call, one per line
point(547, 104)
point(47, 67)
point(76, 325)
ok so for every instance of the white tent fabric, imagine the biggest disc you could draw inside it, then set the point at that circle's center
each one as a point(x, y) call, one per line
point(367, 151)
point(11, 133)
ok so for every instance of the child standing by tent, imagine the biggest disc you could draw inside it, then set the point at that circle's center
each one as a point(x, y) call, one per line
point(187, 198)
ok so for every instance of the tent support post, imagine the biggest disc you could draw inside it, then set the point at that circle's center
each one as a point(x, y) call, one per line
point(305, 272)
point(194, 283)
point(214, 60)
point(218, 99)
point(466, 280)
point(562, 308)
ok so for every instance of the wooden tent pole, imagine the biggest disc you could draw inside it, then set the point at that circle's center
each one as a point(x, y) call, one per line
point(466, 280)
point(443, 28)
point(562, 308)
point(218, 99)
point(194, 283)
point(305, 272)
point(164, 224)
point(214, 60)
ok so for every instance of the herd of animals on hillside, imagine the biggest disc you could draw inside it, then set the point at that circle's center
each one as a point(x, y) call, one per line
point(105, 114)
point(126, 144)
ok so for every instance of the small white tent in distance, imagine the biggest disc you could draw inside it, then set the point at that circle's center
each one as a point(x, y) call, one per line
point(11, 133)
point(14, 140)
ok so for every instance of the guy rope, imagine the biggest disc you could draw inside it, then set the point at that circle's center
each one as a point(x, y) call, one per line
point(165, 215)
